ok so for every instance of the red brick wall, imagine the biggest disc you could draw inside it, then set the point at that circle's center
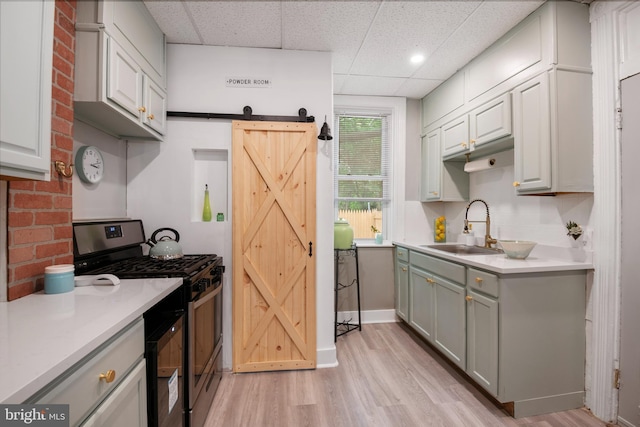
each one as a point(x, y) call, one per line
point(39, 213)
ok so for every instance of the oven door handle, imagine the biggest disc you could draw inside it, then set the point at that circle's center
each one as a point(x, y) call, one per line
point(199, 301)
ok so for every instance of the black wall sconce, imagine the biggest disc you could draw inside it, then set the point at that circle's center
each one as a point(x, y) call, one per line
point(325, 132)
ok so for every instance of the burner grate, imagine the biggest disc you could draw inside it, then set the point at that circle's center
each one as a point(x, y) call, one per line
point(147, 267)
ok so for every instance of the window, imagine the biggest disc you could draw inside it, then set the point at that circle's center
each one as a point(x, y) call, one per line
point(362, 171)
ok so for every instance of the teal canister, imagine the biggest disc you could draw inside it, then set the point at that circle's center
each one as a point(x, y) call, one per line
point(58, 278)
point(342, 234)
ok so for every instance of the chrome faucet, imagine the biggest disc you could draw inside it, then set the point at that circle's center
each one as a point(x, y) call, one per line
point(488, 240)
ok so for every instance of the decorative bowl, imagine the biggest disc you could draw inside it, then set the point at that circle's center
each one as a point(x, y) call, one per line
point(518, 249)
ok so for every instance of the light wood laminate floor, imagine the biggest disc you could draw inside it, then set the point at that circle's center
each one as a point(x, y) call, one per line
point(386, 377)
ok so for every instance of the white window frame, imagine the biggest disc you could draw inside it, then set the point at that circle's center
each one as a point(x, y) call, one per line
point(395, 108)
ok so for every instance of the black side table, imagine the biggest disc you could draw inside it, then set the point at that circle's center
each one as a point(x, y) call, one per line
point(348, 325)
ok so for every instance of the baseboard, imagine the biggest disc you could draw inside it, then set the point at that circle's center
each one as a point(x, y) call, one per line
point(369, 316)
point(624, 423)
point(326, 357)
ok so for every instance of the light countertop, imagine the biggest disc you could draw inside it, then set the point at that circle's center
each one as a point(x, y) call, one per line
point(43, 335)
point(542, 259)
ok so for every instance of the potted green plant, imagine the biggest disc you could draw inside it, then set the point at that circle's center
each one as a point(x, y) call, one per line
point(378, 234)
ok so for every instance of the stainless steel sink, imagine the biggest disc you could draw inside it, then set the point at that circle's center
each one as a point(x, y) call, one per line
point(464, 250)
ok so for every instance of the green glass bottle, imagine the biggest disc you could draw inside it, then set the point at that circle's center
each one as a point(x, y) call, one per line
point(206, 211)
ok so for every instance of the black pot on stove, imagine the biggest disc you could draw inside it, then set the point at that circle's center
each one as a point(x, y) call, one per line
point(165, 247)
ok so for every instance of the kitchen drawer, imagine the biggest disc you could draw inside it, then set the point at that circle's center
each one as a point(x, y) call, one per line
point(81, 386)
point(482, 281)
point(440, 267)
point(402, 254)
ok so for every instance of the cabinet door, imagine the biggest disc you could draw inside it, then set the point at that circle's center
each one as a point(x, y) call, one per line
point(155, 106)
point(421, 302)
point(491, 121)
point(455, 136)
point(482, 340)
point(532, 135)
point(26, 52)
point(126, 405)
point(402, 289)
point(124, 82)
point(431, 167)
point(450, 334)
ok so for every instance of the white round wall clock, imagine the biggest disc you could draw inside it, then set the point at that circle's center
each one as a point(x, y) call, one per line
point(89, 164)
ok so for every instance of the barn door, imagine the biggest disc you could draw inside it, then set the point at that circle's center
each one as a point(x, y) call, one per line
point(274, 316)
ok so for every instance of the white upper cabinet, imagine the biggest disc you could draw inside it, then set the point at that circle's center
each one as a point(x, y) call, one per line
point(530, 91)
point(488, 123)
point(532, 164)
point(120, 69)
point(553, 137)
point(26, 52)
point(441, 181)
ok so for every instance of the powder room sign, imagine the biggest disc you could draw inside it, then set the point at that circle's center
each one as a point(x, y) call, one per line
point(248, 82)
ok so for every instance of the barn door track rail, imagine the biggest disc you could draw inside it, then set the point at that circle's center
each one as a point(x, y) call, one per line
point(247, 114)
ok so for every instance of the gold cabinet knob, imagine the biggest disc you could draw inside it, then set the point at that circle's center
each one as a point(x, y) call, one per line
point(478, 280)
point(109, 376)
point(400, 253)
point(150, 116)
point(469, 298)
point(430, 280)
point(473, 141)
point(463, 144)
point(142, 109)
point(404, 268)
point(435, 193)
point(516, 184)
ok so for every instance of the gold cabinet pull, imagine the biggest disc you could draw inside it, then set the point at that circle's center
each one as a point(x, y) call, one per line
point(404, 268)
point(109, 376)
point(430, 280)
point(400, 253)
point(150, 116)
point(516, 183)
point(473, 141)
point(463, 144)
point(469, 298)
point(435, 193)
point(142, 109)
point(478, 280)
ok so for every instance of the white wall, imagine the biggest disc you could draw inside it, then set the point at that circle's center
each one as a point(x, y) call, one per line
point(165, 179)
point(108, 198)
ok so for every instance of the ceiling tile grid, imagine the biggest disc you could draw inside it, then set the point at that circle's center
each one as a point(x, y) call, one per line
point(370, 41)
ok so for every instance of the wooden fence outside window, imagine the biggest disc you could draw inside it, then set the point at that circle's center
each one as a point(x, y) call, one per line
point(361, 222)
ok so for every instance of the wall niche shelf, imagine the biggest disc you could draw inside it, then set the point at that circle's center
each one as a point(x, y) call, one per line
point(210, 167)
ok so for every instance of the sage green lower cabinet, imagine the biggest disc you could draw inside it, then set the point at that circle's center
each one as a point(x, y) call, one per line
point(482, 340)
point(519, 336)
point(421, 302)
point(450, 306)
point(402, 283)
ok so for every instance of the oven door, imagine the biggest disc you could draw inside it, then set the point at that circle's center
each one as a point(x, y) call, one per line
point(205, 326)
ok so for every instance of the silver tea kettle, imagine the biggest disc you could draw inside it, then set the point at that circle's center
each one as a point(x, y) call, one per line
point(165, 248)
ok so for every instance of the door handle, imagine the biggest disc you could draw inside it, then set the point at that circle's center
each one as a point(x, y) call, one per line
point(310, 248)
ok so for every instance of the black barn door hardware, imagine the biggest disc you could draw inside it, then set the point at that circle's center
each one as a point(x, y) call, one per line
point(246, 115)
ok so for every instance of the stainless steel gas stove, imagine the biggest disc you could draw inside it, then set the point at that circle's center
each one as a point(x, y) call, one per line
point(115, 247)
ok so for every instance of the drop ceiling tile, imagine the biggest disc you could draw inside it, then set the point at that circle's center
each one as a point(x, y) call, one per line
point(338, 27)
point(403, 28)
point(368, 85)
point(174, 21)
point(471, 39)
point(238, 23)
point(417, 88)
point(338, 82)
